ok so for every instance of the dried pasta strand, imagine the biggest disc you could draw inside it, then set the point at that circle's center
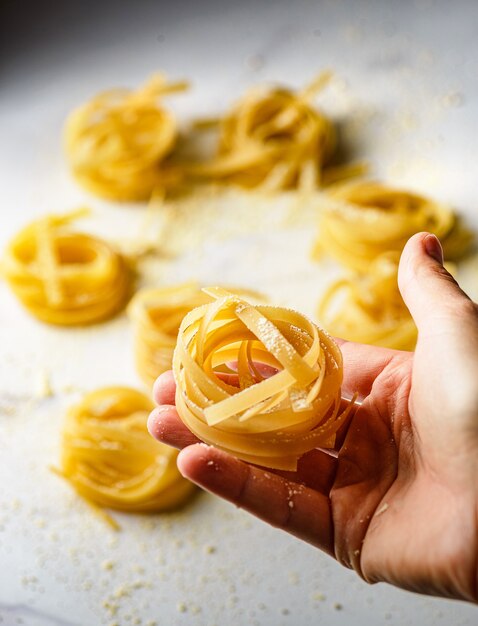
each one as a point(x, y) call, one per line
point(368, 308)
point(275, 420)
point(117, 144)
point(65, 277)
point(274, 139)
point(156, 315)
point(111, 460)
point(364, 219)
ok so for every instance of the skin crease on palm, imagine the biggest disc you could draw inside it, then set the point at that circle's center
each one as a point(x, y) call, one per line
point(398, 500)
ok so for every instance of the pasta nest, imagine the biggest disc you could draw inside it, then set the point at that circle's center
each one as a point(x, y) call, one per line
point(64, 277)
point(267, 420)
point(369, 308)
point(110, 458)
point(365, 219)
point(274, 139)
point(117, 142)
point(157, 315)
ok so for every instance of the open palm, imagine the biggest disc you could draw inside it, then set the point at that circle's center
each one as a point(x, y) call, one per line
point(398, 499)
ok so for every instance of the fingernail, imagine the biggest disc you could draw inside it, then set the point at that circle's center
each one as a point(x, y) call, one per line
point(433, 248)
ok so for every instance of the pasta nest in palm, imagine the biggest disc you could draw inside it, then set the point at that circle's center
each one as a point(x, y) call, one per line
point(274, 139)
point(369, 309)
point(65, 277)
point(117, 143)
point(157, 315)
point(110, 458)
point(365, 219)
point(225, 397)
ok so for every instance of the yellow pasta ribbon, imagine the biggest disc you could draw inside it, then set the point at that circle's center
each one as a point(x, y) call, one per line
point(369, 308)
point(64, 277)
point(274, 139)
point(270, 421)
point(157, 315)
point(110, 458)
point(118, 142)
point(365, 219)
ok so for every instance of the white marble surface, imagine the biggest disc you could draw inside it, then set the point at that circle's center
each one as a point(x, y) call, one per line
point(408, 73)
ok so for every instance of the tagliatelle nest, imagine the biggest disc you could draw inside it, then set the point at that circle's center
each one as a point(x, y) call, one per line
point(274, 139)
point(64, 277)
point(110, 458)
point(366, 219)
point(117, 142)
point(369, 308)
point(270, 421)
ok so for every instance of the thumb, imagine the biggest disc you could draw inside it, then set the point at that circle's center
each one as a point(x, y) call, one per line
point(430, 292)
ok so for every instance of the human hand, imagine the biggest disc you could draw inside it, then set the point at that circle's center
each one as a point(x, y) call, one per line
point(398, 501)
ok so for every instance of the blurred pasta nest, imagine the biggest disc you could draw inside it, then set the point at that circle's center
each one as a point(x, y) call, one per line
point(118, 142)
point(262, 383)
point(362, 220)
point(368, 308)
point(274, 139)
point(65, 277)
point(110, 458)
